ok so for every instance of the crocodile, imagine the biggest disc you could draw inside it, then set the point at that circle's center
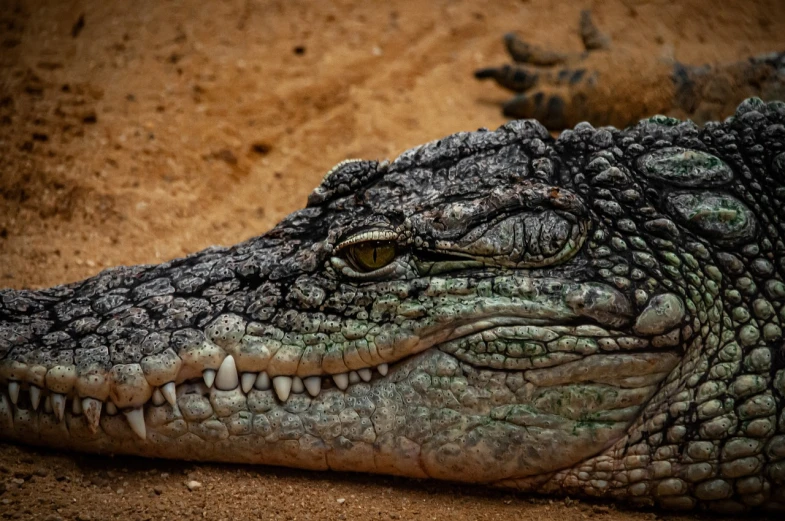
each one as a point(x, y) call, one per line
point(615, 85)
point(598, 314)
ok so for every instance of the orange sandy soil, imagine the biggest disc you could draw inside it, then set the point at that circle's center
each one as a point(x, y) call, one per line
point(152, 129)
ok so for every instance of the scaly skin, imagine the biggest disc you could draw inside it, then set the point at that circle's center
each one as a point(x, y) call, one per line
point(595, 315)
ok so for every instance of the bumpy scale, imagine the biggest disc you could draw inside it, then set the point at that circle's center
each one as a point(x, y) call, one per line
point(599, 315)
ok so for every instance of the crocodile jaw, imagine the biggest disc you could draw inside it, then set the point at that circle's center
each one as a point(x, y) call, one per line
point(479, 389)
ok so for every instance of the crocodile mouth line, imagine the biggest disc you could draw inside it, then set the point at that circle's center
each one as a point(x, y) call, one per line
point(502, 343)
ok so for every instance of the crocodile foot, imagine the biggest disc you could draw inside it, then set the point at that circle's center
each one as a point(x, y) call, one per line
point(609, 85)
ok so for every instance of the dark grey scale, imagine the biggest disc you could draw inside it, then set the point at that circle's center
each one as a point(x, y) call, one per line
point(159, 286)
point(108, 303)
point(95, 356)
point(128, 349)
point(73, 309)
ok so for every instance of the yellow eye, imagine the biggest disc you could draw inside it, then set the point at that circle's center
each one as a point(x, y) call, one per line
point(372, 255)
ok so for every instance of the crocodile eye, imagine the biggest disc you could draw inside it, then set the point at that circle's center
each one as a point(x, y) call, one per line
point(371, 255)
point(367, 252)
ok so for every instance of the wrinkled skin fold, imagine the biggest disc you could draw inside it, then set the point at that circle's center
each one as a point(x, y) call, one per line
point(598, 315)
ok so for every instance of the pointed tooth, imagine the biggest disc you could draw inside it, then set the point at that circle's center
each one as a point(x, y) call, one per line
point(111, 409)
point(341, 380)
point(365, 374)
point(354, 377)
point(76, 406)
point(92, 411)
point(13, 391)
point(48, 405)
point(209, 377)
point(383, 368)
point(35, 396)
point(282, 385)
point(58, 406)
point(246, 382)
point(226, 379)
point(297, 385)
point(262, 381)
point(170, 393)
point(313, 384)
point(135, 419)
point(158, 397)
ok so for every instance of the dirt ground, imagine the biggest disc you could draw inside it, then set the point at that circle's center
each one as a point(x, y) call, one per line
point(135, 132)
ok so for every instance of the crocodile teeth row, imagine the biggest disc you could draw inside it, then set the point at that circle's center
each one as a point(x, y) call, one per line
point(226, 378)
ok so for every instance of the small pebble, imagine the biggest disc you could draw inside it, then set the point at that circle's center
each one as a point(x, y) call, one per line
point(341, 501)
point(193, 485)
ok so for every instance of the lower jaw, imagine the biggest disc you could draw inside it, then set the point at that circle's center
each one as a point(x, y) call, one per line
point(282, 437)
point(415, 422)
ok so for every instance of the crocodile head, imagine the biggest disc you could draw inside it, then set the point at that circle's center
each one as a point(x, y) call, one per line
point(598, 314)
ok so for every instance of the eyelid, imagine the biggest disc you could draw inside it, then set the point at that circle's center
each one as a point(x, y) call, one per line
point(368, 236)
point(348, 270)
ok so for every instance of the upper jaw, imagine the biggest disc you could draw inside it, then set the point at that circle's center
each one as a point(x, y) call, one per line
point(232, 349)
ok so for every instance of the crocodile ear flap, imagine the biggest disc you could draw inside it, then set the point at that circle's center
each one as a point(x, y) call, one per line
point(344, 178)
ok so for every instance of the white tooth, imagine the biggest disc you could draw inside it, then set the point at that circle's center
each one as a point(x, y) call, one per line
point(58, 406)
point(354, 377)
point(48, 405)
point(170, 393)
point(227, 379)
point(158, 397)
point(209, 377)
point(76, 406)
point(92, 411)
point(283, 385)
point(111, 409)
point(365, 374)
point(383, 368)
point(35, 396)
point(246, 381)
point(262, 381)
point(341, 380)
point(135, 419)
point(13, 391)
point(313, 384)
point(297, 385)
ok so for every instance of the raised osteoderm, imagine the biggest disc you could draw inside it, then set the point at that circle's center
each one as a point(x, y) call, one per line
point(599, 314)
